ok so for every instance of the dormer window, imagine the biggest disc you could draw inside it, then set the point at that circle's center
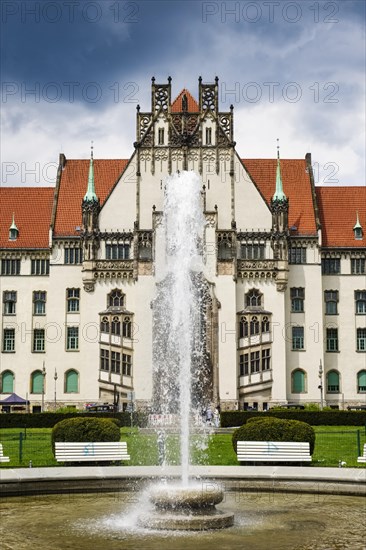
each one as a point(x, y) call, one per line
point(358, 233)
point(357, 229)
point(13, 231)
point(161, 136)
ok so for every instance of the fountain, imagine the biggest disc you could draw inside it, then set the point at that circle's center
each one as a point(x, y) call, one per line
point(180, 358)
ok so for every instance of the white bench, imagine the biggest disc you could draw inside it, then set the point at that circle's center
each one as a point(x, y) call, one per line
point(2, 457)
point(362, 458)
point(101, 451)
point(273, 451)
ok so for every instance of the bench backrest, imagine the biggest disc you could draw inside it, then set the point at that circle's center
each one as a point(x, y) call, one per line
point(90, 449)
point(273, 448)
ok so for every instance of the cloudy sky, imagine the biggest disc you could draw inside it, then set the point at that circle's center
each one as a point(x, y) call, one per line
point(73, 71)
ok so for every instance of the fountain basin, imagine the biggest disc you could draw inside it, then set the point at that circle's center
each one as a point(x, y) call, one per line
point(190, 508)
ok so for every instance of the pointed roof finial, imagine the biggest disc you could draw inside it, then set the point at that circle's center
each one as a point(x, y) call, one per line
point(90, 195)
point(357, 224)
point(13, 224)
point(279, 194)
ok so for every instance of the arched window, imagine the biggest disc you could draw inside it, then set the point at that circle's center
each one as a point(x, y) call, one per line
point(253, 298)
point(116, 326)
point(298, 381)
point(254, 326)
point(116, 298)
point(265, 324)
point(7, 382)
point(361, 381)
point(37, 382)
point(104, 325)
point(243, 327)
point(126, 328)
point(71, 381)
point(333, 382)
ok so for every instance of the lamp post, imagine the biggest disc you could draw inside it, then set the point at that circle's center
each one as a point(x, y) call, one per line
point(320, 387)
point(43, 377)
point(55, 379)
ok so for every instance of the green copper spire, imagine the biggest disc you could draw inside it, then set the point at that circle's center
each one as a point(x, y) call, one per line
point(279, 194)
point(90, 195)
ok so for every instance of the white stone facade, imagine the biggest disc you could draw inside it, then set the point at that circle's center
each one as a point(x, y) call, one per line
point(270, 322)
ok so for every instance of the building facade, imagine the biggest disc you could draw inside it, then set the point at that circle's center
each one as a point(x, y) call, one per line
point(284, 271)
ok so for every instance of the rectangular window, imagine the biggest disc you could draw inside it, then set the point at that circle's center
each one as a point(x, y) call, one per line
point(73, 299)
point(266, 359)
point(38, 340)
point(332, 339)
point(104, 359)
point(126, 364)
point(253, 251)
point(254, 362)
point(117, 251)
point(73, 256)
point(208, 136)
point(10, 302)
point(161, 136)
point(331, 266)
point(40, 267)
point(360, 298)
point(297, 338)
point(244, 364)
point(72, 338)
point(297, 299)
point(10, 267)
point(116, 362)
point(9, 340)
point(361, 339)
point(331, 302)
point(358, 266)
point(297, 255)
point(39, 302)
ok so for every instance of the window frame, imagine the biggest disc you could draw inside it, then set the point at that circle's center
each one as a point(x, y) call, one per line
point(361, 339)
point(297, 295)
point(331, 266)
point(298, 339)
point(8, 338)
point(331, 297)
point(72, 338)
point(39, 300)
point(39, 340)
point(332, 340)
point(297, 255)
point(10, 297)
point(73, 299)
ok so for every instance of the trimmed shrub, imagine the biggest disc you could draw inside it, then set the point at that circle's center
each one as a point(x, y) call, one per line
point(85, 429)
point(274, 429)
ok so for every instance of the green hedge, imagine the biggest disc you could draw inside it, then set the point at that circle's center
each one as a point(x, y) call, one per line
point(85, 429)
point(49, 419)
point(275, 429)
point(314, 418)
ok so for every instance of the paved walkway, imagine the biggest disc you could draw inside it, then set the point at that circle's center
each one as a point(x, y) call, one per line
point(351, 481)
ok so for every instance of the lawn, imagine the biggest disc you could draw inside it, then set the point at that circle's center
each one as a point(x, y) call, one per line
point(333, 444)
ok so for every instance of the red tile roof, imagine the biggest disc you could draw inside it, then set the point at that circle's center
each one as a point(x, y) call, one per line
point(192, 103)
point(296, 186)
point(73, 186)
point(338, 208)
point(32, 207)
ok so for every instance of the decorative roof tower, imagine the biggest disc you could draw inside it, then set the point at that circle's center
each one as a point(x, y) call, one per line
point(90, 227)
